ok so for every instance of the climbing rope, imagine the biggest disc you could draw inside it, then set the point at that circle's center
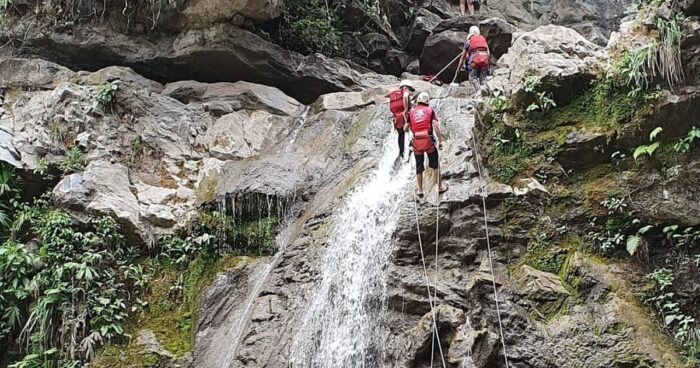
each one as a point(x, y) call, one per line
point(445, 68)
point(437, 236)
point(427, 284)
point(488, 247)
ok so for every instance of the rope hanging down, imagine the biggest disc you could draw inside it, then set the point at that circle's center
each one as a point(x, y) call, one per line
point(427, 284)
point(488, 247)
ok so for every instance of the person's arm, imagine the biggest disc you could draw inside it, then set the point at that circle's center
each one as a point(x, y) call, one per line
point(406, 104)
point(438, 132)
point(463, 57)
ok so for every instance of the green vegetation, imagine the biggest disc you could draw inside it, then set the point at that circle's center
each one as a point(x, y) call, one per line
point(68, 288)
point(309, 26)
point(106, 96)
point(64, 299)
point(648, 149)
point(73, 162)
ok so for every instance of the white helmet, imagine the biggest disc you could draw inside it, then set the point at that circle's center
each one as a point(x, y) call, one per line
point(406, 83)
point(474, 30)
point(423, 98)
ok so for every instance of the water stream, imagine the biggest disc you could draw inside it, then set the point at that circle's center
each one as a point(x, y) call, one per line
point(344, 322)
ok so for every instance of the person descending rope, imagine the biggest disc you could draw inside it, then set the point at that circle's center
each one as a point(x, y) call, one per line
point(422, 122)
point(400, 106)
point(477, 55)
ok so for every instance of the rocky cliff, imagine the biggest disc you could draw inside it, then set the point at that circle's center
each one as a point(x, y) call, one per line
point(567, 238)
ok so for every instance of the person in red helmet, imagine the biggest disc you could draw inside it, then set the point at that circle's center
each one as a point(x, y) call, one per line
point(400, 106)
point(423, 122)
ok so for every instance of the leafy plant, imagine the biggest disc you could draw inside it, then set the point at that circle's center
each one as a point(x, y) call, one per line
point(543, 100)
point(106, 95)
point(684, 145)
point(78, 299)
point(73, 162)
point(648, 149)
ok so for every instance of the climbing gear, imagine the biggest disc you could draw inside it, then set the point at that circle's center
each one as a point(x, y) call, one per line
point(488, 247)
point(407, 84)
point(480, 60)
point(474, 30)
point(423, 98)
point(397, 107)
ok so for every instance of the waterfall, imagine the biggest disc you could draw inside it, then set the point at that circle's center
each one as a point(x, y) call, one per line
point(344, 324)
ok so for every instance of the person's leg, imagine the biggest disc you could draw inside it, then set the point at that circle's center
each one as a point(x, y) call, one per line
point(402, 141)
point(434, 163)
point(420, 167)
point(470, 4)
point(462, 10)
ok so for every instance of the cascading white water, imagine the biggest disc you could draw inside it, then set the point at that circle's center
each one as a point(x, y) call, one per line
point(343, 325)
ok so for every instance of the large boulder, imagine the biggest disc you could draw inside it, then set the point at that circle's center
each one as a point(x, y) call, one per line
point(439, 50)
point(497, 31)
point(238, 135)
point(447, 40)
point(563, 59)
point(422, 27)
point(218, 53)
point(223, 98)
point(103, 189)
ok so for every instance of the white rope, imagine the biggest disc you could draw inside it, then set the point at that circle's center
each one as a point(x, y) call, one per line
point(488, 247)
point(445, 68)
point(437, 233)
point(427, 284)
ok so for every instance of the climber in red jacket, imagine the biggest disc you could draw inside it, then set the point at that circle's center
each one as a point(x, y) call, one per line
point(400, 106)
point(423, 123)
point(477, 55)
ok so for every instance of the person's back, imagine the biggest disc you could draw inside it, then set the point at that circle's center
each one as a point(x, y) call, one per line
point(478, 42)
point(400, 105)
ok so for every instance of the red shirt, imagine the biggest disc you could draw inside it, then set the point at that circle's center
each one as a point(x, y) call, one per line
point(421, 118)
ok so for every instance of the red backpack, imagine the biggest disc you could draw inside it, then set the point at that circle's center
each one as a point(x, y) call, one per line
point(396, 107)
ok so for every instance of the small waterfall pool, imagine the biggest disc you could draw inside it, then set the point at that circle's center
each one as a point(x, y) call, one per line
point(343, 324)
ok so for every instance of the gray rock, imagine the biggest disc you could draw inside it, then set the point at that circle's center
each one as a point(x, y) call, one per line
point(439, 50)
point(218, 53)
point(672, 200)
point(246, 96)
point(541, 286)
point(372, 45)
point(583, 150)
point(237, 135)
point(563, 59)
point(103, 189)
point(421, 28)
